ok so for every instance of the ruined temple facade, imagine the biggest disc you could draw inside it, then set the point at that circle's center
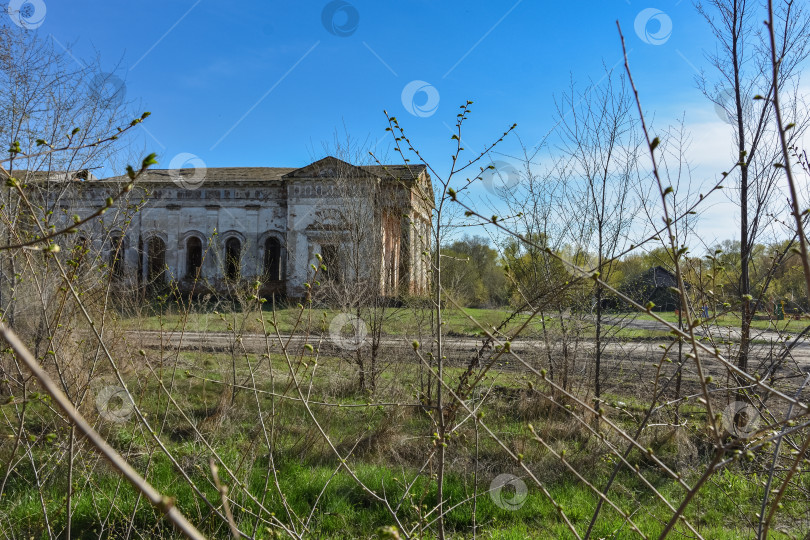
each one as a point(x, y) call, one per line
point(206, 229)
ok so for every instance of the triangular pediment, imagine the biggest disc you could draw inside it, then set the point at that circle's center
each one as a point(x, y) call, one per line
point(329, 167)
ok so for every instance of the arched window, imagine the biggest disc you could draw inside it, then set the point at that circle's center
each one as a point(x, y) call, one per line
point(272, 259)
point(331, 259)
point(117, 252)
point(233, 256)
point(193, 256)
point(155, 258)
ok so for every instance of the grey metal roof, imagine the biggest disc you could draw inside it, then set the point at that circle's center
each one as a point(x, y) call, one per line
point(267, 174)
point(235, 174)
point(216, 174)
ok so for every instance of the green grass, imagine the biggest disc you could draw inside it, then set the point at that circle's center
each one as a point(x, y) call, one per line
point(397, 441)
point(733, 320)
point(347, 511)
point(402, 322)
point(408, 322)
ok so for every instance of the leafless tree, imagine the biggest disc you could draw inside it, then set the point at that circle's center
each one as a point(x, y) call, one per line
point(741, 85)
point(364, 245)
point(601, 148)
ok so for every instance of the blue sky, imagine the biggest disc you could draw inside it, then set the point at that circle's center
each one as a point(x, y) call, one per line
point(266, 83)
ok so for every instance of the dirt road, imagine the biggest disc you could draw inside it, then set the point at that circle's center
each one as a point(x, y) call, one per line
point(461, 348)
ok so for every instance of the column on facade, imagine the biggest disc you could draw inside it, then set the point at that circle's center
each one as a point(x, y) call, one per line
point(173, 247)
point(298, 255)
point(211, 264)
point(254, 258)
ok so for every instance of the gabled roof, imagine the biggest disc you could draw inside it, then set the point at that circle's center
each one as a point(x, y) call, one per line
point(656, 276)
point(330, 167)
point(663, 277)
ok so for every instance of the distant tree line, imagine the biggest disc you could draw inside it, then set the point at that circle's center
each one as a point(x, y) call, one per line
point(480, 276)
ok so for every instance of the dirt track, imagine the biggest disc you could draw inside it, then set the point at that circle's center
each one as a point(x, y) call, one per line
point(460, 347)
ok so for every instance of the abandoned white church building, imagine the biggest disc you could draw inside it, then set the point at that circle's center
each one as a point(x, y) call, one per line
point(265, 224)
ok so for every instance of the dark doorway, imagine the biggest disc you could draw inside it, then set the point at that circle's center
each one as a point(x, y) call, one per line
point(272, 259)
point(329, 254)
point(193, 257)
point(233, 256)
point(155, 259)
point(117, 253)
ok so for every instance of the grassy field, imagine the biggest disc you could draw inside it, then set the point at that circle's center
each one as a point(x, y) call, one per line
point(409, 322)
point(733, 320)
point(386, 446)
point(403, 322)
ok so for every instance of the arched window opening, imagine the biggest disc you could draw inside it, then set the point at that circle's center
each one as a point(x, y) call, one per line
point(331, 259)
point(272, 259)
point(193, 257)
point(233, 256)
point(155, 258)
point(117, 253)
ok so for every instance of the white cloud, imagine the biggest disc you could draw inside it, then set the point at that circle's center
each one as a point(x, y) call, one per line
point(711, 151)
